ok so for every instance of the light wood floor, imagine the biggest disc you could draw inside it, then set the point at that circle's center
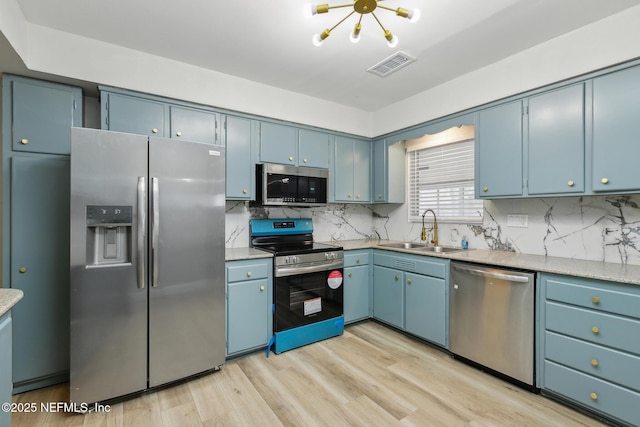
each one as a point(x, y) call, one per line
point(370, 376)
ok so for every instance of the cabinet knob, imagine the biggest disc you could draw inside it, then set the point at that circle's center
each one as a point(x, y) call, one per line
point(154, 130)
point(396, 278)
point(595, 300)
point(261, 288)
point(358, 261)
point(178, 133)
point(571, 183)
point(593, 396)
point(595, 330)
point(357, 196)
point(348, 196)
point(604, 180)
point(349, 274)
point(485, 189)
point(24, 141)
point(248, 274)
point(594, 362)
point(244, 191)
point(22, 269)
point(379, 196)
point(408, 281)
point(304, 160)
point(290, 158)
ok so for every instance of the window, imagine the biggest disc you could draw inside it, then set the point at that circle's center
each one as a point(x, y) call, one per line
point(441, 177)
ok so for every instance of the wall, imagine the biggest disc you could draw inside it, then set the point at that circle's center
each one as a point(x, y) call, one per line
point(331, 223)
point(596, 228)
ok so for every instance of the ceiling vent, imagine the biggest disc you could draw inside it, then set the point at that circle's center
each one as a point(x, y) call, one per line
point(391, 64)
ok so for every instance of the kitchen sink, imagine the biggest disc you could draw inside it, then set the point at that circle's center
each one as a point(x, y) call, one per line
point(442, 249)
point(421, 246)
point(405, 245)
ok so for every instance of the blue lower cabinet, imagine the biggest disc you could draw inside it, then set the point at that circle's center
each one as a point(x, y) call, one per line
point(598, 395)
point(249, 299)
point(39, 266)
point(588, 350)
point(426, 307)
point(388, 296)
point(410, 292)
point(357, 285)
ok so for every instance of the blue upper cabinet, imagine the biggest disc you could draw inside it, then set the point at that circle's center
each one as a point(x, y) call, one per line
point(194, 125)
point(289, 145)
point(499, 151)
point(351, 170)
point(616, 141)
point(41, 114)
point(239, 136)
point(142, 114)
point(556, 142)
point(388, 172)
point(313, 149)
point(123, 113)
point(278, 143)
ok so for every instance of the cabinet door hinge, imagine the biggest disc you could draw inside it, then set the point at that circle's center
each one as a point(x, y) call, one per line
point(75, 104)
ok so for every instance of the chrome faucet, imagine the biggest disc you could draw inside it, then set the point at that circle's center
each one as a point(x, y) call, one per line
point(434, 228)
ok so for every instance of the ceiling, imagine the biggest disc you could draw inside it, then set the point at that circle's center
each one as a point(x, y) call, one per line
point(270, 42)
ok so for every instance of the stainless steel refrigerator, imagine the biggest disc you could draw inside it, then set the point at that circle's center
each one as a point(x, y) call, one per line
point(147, 262)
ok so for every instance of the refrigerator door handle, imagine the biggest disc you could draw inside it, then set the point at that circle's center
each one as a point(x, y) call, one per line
point(142, 227)
point(155, 229)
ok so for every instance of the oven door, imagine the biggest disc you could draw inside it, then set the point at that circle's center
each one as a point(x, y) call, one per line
point(307, 294)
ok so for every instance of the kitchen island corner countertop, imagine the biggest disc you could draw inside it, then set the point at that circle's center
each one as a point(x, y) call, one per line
point(599, 270)
point(8, 298)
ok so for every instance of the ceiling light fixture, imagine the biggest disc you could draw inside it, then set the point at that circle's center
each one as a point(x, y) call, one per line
point(363, 7)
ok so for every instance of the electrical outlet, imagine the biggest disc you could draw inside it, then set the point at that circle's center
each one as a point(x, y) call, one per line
point(521, 221)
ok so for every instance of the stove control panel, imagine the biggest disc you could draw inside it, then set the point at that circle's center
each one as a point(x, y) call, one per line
point(284, 224)
point(330, 255)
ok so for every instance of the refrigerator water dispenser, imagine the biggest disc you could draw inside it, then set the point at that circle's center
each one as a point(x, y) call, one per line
point(109, 237)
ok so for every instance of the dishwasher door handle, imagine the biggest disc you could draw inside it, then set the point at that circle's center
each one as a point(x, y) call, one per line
point(493, 275)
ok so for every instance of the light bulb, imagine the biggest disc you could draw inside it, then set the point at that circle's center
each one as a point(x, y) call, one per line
point(414, 15)
point(308, 10)
point(317, 41)
point(393, 42)
point(355, 34)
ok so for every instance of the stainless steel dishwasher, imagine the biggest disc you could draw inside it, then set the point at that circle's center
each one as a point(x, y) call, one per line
point(491, 319)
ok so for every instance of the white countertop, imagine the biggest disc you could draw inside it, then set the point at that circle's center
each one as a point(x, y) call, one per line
point(612, 272)
point(8, 298)
point(599, 270)
point(234, 254)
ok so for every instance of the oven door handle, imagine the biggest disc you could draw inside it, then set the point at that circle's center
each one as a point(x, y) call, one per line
point(292, 271)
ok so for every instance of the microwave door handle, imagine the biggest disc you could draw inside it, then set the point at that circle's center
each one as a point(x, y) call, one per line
point(155, 229)
point(142, 228)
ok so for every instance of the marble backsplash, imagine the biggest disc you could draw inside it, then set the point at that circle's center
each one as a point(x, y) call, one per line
point(597, 228)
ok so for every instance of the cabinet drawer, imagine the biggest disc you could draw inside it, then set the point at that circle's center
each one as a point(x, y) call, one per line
point(593, 393)
point(610, 297)
point(611, 365)
point(251, 271)
point(413, 263)
point(600, 328)
point(355, 258)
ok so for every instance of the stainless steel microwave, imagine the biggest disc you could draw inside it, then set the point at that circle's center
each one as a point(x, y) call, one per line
point(279, 185)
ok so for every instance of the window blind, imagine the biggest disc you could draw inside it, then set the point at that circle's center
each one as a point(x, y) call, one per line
point(442, 178)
